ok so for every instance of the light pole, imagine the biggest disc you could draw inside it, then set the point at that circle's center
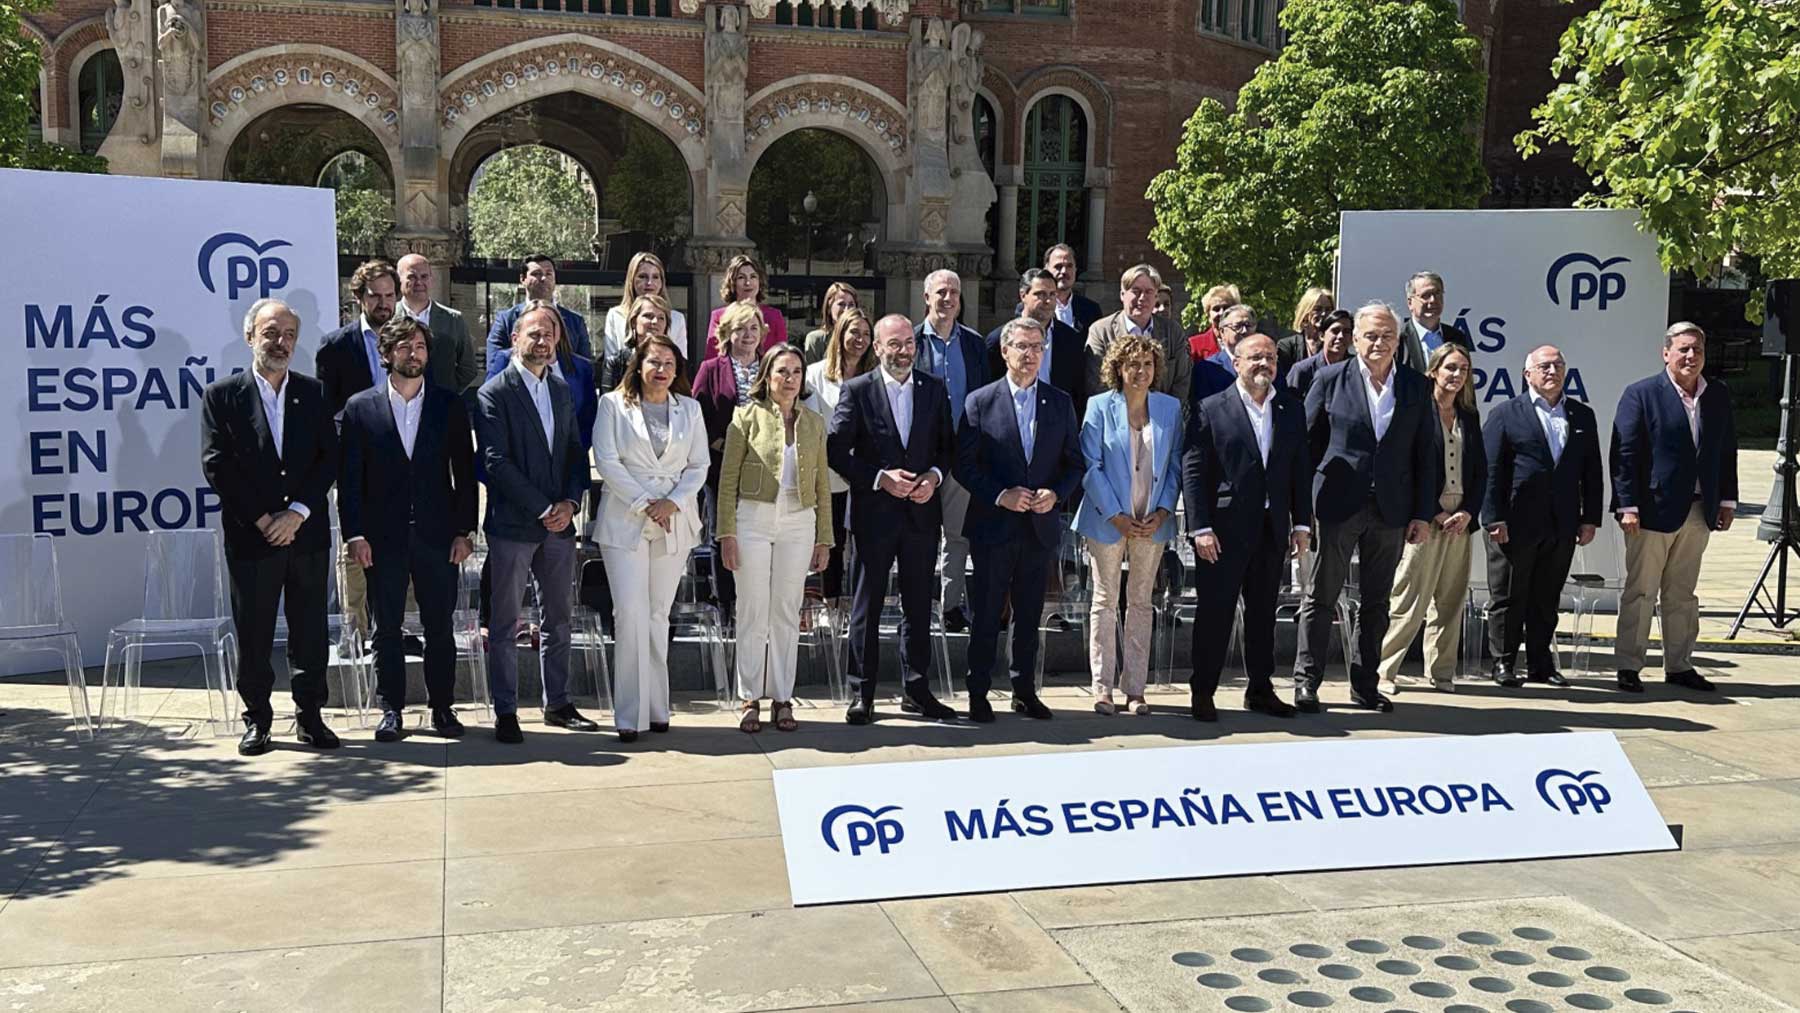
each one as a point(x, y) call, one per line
point(809, 204)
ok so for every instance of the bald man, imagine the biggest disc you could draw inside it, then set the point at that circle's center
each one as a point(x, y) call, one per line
point(452, 362)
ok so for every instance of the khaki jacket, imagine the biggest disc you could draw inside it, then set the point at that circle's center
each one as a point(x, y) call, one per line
point(751, 467)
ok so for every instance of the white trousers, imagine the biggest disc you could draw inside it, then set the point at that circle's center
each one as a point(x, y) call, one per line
point(775, 544)
point(643, 588)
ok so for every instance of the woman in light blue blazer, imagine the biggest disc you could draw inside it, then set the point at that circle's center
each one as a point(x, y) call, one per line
point(1132, 441)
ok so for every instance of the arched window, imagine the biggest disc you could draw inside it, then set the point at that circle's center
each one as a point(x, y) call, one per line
point(100, 91)
point(987, 142)
point(1052, 194)
point(34, 126)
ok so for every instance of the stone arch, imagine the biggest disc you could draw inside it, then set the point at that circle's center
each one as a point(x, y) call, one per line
point(245, 87)
point(598, 68)
point(998, 89)
point(866, 115)
point(71, 104)
point(1086, 91)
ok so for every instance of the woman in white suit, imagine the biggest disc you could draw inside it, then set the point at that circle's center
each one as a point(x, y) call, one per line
point(650, 448)
point(1132, 440)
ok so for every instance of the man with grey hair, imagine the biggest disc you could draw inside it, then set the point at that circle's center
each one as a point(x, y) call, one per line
point(1674, 481)
point(1375, 489)
point(1425, 330)
point(268, 446)
point(952, 353)
point(1218, 371)
point(1137, 315)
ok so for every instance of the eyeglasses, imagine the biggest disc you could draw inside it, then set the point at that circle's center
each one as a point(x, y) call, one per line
point(1242, 326)
point(1551, 367)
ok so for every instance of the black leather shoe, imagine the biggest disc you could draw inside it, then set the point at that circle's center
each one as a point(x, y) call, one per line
point(445, 723)
point(1552, 677)
point(956, 620)
point(862, 709)
point(628, 735)
point(1504, 676)
point(1689, 679)
point(1374, 702)
point(980, 711)
point(1629, 681)
point(1203, 710)
point(659, 727)
point(908, 705)
point(1306, 699)
point(255, 741)
point(312, 731)
point(390, 729)
point(918, 693)
point(506, 729)
point(1027, 703)
point(568, 717)
point(1268, 703)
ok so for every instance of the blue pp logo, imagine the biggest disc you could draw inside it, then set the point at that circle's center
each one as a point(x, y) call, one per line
point(253, 269)
point(1575, 790)
point(872, 829)
point(1594, 284)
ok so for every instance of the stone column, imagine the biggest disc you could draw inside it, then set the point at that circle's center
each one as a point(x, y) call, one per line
point(1006, 236)
point(1094, 257)
point(421, 206)
point(133, 145)
point(181, 51)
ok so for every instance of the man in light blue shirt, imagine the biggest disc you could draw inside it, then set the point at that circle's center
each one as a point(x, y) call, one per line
point(957, 355)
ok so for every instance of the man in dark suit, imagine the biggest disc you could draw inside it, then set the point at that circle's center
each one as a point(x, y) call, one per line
point(1065, 359)
point(1247, 482)
point(537, 276)
point(269, 449)
point(1674, 481)
point(954, 354)
point(406, 504)
point(891, 439)
point(1425, 330)
point(1368, 421)
point(1073, 310)
point(536, 475)
point(1018, 452)
point(1544, 498)
point(453, 364)
point(1218, 371)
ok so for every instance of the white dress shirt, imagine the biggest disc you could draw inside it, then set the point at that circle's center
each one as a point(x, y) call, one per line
point(1555, 422)
point(1262, 423)
point(900, 403)
point(275, 413)
point(1065, 310)
point(406, 415)
point(423, 316)
point(1381, 402)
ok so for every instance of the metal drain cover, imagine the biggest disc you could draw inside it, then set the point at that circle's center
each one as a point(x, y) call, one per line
point(1546, 955)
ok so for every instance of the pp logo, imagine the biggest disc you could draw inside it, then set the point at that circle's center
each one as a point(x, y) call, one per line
point(874, 828)
point(244, 271)
point(1595, 284)
point(1575, 790)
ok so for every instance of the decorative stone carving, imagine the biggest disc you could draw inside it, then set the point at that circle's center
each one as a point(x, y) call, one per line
point(972, 192)
point(727, 70)
point(886, 121)
point(710, 254)
point(966, 43)
point(933, 213)
point(180, 43)
point(129, 23)
point(297, 77)
point(730, 218)
point(666, 103)
point(914, 263)
point(416, 43)
point(440, 248)
point(930, 69)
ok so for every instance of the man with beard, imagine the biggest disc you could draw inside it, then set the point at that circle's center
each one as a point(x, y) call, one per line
point(406, 504)
point(268, 447)
point(537, 276)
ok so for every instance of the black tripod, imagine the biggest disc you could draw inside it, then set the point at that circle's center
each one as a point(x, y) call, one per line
point(1783, 541)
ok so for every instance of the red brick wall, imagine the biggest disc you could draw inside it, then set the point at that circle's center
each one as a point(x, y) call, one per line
point(232, 33)
point(778, 53)
point(62, 81)
point(1527, 37)
point(682, 53)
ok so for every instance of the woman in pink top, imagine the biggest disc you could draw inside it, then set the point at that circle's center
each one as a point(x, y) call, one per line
point(743, 282)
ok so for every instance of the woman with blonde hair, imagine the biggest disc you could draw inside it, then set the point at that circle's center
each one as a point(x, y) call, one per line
point(722, 385)
point(647, 315)
point(1310, 315)
point(1213, 304)
point(839, 297)
point(744, 283)
point(850, 353)
point(644, 276)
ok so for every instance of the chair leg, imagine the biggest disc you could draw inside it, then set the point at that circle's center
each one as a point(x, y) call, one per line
point(78, 697)
point(133, 658)
point(106, 682)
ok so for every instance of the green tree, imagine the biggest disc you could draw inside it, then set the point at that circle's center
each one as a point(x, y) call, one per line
point(20, 58)
point(1368, 106)
point(829, 166)
point(1689, 112)
point(532, 200)
point(647, 189)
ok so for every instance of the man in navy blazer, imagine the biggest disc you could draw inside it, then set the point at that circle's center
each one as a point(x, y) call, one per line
point(1368, 421)
point(406, 505)
point(536, 475)
point(1247, 482)
point(537, 276)
point(1543, 499)
point(1674, 480)
point(891, 439)
point(1072, 309)
point(1065, 358)
point(954, 354)
point(1018, 452)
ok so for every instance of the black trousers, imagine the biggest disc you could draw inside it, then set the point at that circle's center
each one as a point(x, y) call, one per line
point(876, 553)
point(1017, 567)
point(833, 578)
point(433, 580)
point(1378, 548)
point(1525, 581)
point(1251, 571)
point(257, 586)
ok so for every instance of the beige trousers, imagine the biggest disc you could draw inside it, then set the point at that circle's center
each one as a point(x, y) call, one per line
point(1144, 555)
point(1662, 569)
point(1430, 587)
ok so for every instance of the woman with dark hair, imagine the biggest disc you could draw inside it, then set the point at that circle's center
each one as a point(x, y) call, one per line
point(744, 284)
point(1334, 346)
point(841, 296)
point(650, 448)
point(850, 353)
point(774, 527)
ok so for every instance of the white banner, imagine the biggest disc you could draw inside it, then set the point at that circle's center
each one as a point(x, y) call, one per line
point(1587, 282)
point(886, 830)
point(124, 297)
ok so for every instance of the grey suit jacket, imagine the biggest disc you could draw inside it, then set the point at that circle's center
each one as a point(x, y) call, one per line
point(452, 363)
point(1175, 375)
point(1412, 346)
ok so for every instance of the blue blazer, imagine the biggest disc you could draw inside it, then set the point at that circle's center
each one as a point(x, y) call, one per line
point(1068, 362)
point(990, 458)
point(1534, 496)
point(1655, 463)
point(384, 495)
point(1350, 465)
point(342, 363)
point(1226, 485)
point(578, 373)
point(499, 340)
point(1106, 444)
point(976, 369)
point(863, 441)
point(524, 475)
point(1301, 374)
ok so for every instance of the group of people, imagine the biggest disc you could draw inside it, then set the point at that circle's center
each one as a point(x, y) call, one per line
point(956, 461)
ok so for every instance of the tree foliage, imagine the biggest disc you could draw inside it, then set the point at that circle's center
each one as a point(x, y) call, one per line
point(648, 189)
point(528, 200)
point(833, 169)
point(365, 203)
point(1689, 112)
point(1368, 106)
point(20, 59)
